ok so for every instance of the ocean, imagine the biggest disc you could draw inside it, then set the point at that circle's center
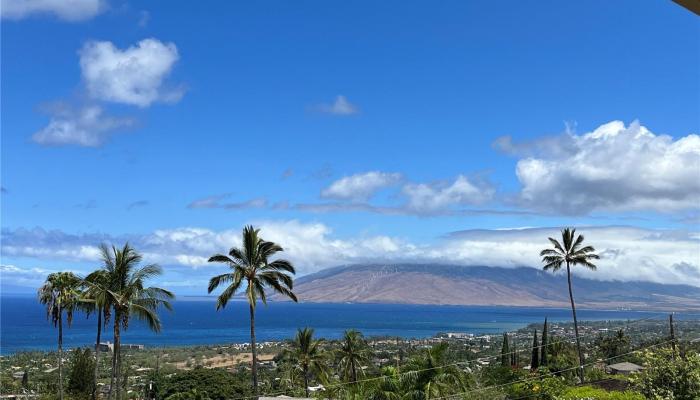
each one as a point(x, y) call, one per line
point(23, 323)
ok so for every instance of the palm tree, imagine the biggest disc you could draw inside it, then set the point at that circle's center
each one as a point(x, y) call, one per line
point(571, 253)
point(390, 387)
point(96, 299)
point(128, 295)
point(60, 293)
point(352, 354)
point(432, 376)
point(307, 355)
point(251, 264)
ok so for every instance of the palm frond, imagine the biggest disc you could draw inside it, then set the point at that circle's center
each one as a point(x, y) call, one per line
point(268, 249)
point(217, 280)
point(557, 245)
point(567, 236)
point(549, 252)
point(577, 243)
point(221, 259)
point(259, 290)
point(227, 294)
point(280, 265)
point(146, 314)
point(554, 266)
point(237, 255)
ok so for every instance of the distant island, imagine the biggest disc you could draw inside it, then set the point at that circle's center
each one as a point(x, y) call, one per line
point(481, 285)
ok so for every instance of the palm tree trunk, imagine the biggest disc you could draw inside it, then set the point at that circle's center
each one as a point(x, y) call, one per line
point(254, 367)
point(97, 353)
point(60, 353)
point(581, 361)
point(306, 380)
point(114, 356)
point(118, 353)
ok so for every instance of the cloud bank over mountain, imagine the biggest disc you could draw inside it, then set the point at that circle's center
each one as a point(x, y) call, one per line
point(627, 253)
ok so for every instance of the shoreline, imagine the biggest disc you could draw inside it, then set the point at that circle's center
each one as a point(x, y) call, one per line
point(154, 347)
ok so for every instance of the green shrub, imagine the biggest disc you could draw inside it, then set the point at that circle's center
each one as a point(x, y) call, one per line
point(544, 388)
point(669, 378)
point(589, 393)
point(217, 384)
point(81, 375)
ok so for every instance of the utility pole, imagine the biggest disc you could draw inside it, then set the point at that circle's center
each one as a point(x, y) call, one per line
point(673, 335)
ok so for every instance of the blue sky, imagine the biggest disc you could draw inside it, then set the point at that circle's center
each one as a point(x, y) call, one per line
point(372, 130)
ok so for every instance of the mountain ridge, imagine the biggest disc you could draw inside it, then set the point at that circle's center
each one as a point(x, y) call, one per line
point(454, 284)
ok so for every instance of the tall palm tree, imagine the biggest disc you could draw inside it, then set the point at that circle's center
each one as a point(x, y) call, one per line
point(251, 265)
point(352, 354)
point(307, 355)
point(97, 299)
point(129, 296)
point(570, 252)
point(60, 293)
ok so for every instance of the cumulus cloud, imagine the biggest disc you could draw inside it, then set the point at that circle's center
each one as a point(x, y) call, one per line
point(341, 106)
point(628, 253)
point(425, 198)
point(613, 168)
point(68, 10)
point(433, 198)
point(132, 76)
point(86, 127)
point(361, 186)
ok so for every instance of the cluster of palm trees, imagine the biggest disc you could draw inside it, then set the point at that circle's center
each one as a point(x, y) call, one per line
point(117, 291)
point(425, 376)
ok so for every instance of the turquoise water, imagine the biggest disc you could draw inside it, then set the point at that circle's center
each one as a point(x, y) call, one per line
point(23, 324)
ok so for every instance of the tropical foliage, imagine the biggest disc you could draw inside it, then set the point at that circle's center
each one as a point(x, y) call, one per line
point(80, 378)
point(570, 252)
point(430, 375)
point(214, 384)
point(129, 296)
point(307, 357)
point(61, 295)
point(352, 356)
point(252, 266)
point(669, 376)
point(346, 368)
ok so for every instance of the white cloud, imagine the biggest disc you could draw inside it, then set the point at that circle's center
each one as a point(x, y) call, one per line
point(613, 168)
point(361, 186)
point(132, 76)
point(88, 127)
point(341, 106)
point(23, 276)
point(434, 198)
point(628, 253)
point(425, 198)
point(68, 10)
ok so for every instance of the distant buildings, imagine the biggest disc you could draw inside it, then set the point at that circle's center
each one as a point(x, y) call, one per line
point(108, 346)
point(459, 335)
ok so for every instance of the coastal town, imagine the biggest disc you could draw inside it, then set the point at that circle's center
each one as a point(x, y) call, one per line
point(27, 375)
